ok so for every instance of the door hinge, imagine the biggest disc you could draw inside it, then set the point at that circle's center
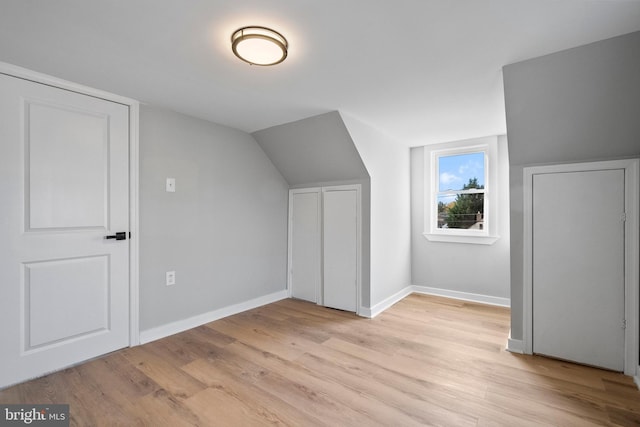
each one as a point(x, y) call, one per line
point(623, 217)
point(624, 323)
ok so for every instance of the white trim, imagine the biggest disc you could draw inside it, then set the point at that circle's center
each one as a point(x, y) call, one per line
point(411, 289)
point(636, 378)
point(201, 319)
point(365, 312)
point(632, 251)
point(632, 266)
point(514, 346)
point(134, 224)
point(134, 143)
point(527, 266)
point(34, 76)
point(450, 238)
point(464, 296)
point(316, 190)
point(434, 190)
point(289, 244)
point(386, 303)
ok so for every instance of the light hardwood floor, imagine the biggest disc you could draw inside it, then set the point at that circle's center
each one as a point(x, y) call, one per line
point(425, 361)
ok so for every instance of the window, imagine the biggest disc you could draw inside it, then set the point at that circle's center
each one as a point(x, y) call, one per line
point(460, 191)
point(460, 197)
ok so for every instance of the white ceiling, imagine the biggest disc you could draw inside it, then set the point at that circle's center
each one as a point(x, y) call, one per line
point(421, 71)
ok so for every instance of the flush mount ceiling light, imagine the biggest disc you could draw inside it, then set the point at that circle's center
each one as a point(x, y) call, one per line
point(259, 45)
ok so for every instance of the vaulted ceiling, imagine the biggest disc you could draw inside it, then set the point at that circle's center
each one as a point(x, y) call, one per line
point(421, 71)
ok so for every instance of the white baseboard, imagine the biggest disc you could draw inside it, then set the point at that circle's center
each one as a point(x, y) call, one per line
point(636, 377)
point(364, 312)
point(465, 296)
point(386, 303)
point(515, 346)
point(195, 321)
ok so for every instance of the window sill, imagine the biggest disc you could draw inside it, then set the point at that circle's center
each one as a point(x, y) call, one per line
point(475, 240)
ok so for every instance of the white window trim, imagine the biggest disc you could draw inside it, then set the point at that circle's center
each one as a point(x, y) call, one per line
point(487, 236)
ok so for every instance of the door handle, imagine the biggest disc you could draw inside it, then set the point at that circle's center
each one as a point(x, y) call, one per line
point(120, 235)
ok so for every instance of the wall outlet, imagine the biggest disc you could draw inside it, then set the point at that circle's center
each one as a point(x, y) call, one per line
point(171, 278)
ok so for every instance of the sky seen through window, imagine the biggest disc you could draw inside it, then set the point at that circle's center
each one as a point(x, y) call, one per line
point(456, 171)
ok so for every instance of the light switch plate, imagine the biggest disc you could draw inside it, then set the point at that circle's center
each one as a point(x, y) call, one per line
point(171, 185)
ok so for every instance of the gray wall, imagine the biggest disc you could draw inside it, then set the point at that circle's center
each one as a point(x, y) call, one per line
point(316, 149)
point(580, 104)
point(224, 231)
point(460, 267)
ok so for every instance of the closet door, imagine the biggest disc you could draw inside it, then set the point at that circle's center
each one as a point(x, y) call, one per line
point(304, 244)
point(578, 266)
point(340, 248)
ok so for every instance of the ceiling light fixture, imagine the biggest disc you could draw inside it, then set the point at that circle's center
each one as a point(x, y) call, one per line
point(259, 45)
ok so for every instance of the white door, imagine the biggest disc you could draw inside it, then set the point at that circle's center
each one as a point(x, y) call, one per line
point(340, 243)
point(578, 266)
point(64, 186)
point(304, 248)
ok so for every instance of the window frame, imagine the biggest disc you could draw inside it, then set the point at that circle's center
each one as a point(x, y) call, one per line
point(487, 235)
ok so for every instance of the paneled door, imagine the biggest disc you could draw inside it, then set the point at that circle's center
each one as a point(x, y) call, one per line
point(579, 266)
point(64, 187)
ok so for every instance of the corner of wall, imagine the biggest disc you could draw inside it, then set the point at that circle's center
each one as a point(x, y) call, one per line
point(388, 164)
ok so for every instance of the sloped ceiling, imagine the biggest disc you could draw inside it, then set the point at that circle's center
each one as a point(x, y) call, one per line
point(314, 150)
point(421, 71)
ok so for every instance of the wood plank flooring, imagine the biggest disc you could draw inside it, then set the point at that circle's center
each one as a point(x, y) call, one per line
point(425, 361)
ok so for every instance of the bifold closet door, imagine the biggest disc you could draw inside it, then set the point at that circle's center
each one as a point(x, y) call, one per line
point(340, 221)
point(305, 245)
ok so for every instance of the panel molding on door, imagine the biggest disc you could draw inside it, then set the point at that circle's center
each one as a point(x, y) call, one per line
point(50, 199)
point(40, 293)
point(68, 294)
point(630, 264)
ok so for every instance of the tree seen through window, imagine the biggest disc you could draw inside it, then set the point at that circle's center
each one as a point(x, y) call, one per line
point(461, 191)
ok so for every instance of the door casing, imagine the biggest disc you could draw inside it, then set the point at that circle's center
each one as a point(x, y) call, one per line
point(632, 251)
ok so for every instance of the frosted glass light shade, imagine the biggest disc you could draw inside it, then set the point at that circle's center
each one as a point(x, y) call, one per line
point(259, 45)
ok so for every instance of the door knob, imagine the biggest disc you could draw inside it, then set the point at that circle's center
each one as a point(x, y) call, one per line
point(120, 235)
